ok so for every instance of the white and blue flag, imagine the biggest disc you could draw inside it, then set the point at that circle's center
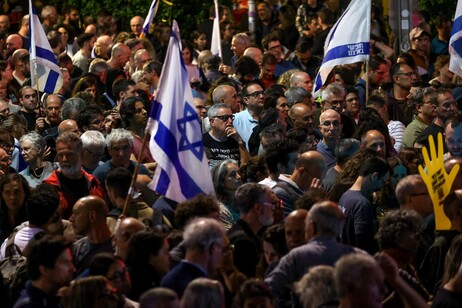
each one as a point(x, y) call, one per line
point(215, 46)
point(347, 41)
point(176, 139)
point(149, 18)
point(44, 66)
point(455, 42)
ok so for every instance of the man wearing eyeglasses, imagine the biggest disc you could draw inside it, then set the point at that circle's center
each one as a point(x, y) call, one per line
point(445, 109)
point(403, 76)
point(272, 44)
point(244, 121)
point(424, 103)
point(330, 129)
point(222, 141)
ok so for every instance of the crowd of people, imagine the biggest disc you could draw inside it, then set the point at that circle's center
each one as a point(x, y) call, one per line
point(317, 202)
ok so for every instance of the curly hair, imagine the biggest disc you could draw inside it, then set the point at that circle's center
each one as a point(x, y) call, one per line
point(394, 225)
point(199, 206)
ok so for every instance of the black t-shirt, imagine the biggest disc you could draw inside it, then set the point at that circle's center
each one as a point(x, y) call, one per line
point(217, 151)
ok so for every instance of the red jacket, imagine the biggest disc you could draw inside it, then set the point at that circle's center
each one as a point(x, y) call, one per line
point(67, 200)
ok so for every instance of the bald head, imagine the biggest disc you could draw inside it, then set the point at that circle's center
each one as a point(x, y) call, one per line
point(301, 79)
point(301, 115)
point(375, 140)
point(136, 25)
point(309, 169)
point(226, 94)
point(13, 42)
point(94, 204)
point(254, 53)
point(120, 54)
point(123, 233)
point(329, 113)
point(91, 28)
point(294, 228)
point(324, 218)
point(68, 126)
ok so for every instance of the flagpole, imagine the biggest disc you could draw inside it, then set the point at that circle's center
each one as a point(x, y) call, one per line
point(367, 80)
point(131, 190)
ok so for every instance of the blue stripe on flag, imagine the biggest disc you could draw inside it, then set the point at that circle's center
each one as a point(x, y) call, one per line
point(457, 45)
point(163, 183)
point(46, 54)
point(168, 143)
point(51, 82)
point(346, 51)
point(457, 26)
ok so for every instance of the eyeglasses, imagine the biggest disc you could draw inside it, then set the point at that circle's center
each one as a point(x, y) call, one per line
point(225, 118)
point(329, 123)
point(275, 204)
point(337, 102)
point(408, 74)
point(256, 94)
point(6, 159)
point(448, 105)
point(94, 154)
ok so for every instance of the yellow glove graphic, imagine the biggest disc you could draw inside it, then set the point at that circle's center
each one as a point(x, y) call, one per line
point(438, 181)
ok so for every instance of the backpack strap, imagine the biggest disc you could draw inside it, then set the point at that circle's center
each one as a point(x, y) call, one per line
point(11, 246)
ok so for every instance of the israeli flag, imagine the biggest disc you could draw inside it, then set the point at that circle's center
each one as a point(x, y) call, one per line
point(151, 14)
point(176, 140)
point(215, 47)
point(455, 42)
point(44, 66)
point(347, 41)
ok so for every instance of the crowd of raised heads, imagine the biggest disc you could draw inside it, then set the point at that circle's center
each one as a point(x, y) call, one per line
point(317, 202)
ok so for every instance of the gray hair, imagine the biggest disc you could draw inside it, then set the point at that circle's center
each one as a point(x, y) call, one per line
point(296, 95)
point(202, 232)
point(243, 38)
point(93, 138)
point(406, 186)
point(36, 139)
point(350, 271)
point(328, 217)
point(317, 286)
point(335, 89)
point(213, 110)
point(98, 66)
point(119, 134)
point(73, 104)
point(219, 93)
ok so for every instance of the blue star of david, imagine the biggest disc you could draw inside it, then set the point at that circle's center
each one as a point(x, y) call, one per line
point(190, 119)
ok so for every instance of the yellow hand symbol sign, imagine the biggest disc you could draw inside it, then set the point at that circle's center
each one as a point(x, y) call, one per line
point(438, 181)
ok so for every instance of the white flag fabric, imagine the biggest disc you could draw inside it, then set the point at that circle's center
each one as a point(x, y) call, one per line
point(347, 41)
point(176, 139)
point(455, 42)
point(215, 46)
point(44, 67)
point(151, 14)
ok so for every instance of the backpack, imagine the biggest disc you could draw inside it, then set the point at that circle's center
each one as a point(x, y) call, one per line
point(14, 267)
